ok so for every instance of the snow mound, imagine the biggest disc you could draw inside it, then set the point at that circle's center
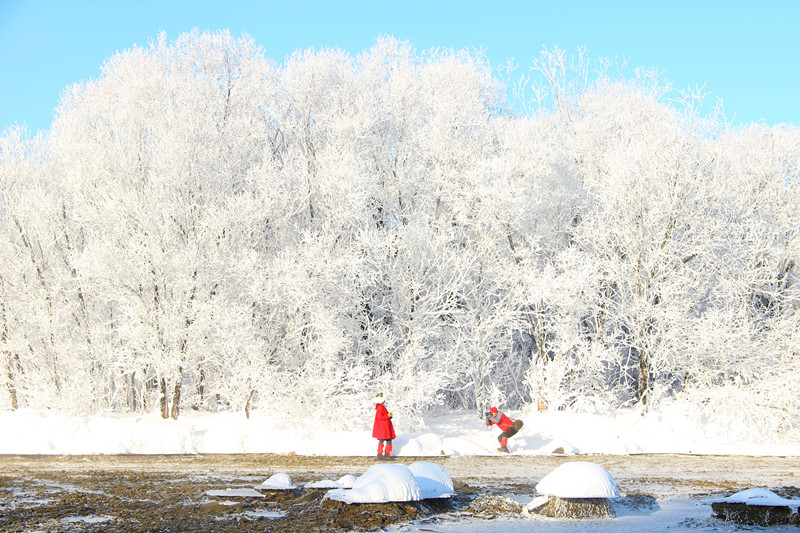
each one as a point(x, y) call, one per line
point(578, 480)
point(381, 483)
point(347, 481)
point(759, 497)
point(278, 482)
point(432, 479)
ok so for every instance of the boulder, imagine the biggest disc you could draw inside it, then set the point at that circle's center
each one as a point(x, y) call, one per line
point(752, 515)
point(576, 490)
point(757, 507)
point(577, 508)
point(635, 503)
point(492, 506)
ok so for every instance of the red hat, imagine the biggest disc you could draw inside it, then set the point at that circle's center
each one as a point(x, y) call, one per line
point(493, 410)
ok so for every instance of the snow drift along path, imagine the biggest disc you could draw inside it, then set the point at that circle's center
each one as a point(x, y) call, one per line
point(42, 433)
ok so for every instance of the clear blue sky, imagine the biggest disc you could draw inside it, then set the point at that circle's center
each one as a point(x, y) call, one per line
point(745, 52)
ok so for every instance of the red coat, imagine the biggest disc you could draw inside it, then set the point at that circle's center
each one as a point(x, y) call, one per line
point(504, 423)
point(383, 428)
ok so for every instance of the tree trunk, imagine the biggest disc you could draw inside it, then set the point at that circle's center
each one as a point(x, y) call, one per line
point(11, 383)
point(643, 382)
point(538, 333)
point(133, 401)
point(176, 399)
point(248, 403)
point(201, 388)
point(48, 299)
point(164, 400)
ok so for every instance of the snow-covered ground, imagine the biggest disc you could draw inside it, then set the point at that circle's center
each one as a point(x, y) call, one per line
point(578, 436)
point(32, 432)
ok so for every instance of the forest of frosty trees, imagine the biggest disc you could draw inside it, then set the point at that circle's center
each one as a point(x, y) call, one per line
point(203, 228)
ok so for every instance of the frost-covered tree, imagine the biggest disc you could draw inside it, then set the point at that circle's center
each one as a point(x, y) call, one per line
point(203, 228)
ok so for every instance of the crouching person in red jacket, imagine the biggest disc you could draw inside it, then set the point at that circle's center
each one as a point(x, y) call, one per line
point(508, 426)
point(383, 429)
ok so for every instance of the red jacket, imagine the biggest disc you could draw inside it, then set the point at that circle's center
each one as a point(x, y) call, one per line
point(502, 421)
point(383, 428)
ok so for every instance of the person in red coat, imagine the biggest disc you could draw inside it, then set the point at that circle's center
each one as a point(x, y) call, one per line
point(508, 426)
point(383, 429)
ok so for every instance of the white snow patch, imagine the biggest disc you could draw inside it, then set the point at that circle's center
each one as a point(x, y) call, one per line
point(265, 514)
point(234, 493)
point(279, 481)
point(578, 479)
point(87, 519)
point(344, 482)
point(323, 484)
point(535, 503)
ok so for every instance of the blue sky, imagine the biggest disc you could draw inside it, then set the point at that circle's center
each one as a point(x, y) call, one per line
point(746, 53)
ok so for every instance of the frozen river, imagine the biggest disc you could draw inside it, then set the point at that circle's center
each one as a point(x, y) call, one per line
point(683, 485)
point(168, 493)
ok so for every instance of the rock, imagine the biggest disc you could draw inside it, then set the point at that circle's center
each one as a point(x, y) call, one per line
point(282, 496)
point(752, 515)
point(331, 504)
point(309, 496)
point(576, 508)
point(636, 502)
point(756, 506)
point(344, 523)
point(491, 506)
point(559, 451)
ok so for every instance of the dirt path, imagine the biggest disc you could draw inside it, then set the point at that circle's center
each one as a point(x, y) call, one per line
point(169, 493)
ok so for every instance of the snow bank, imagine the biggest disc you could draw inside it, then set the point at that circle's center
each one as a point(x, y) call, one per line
point(461, 433)
point(234, 493)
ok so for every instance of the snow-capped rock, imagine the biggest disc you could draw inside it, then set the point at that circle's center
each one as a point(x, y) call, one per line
point(578, 480)
point(381, 483)
point(432, 479)
point(761, 497)
point(347, 481)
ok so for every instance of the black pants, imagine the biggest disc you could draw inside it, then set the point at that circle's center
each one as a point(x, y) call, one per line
point(510, 432)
